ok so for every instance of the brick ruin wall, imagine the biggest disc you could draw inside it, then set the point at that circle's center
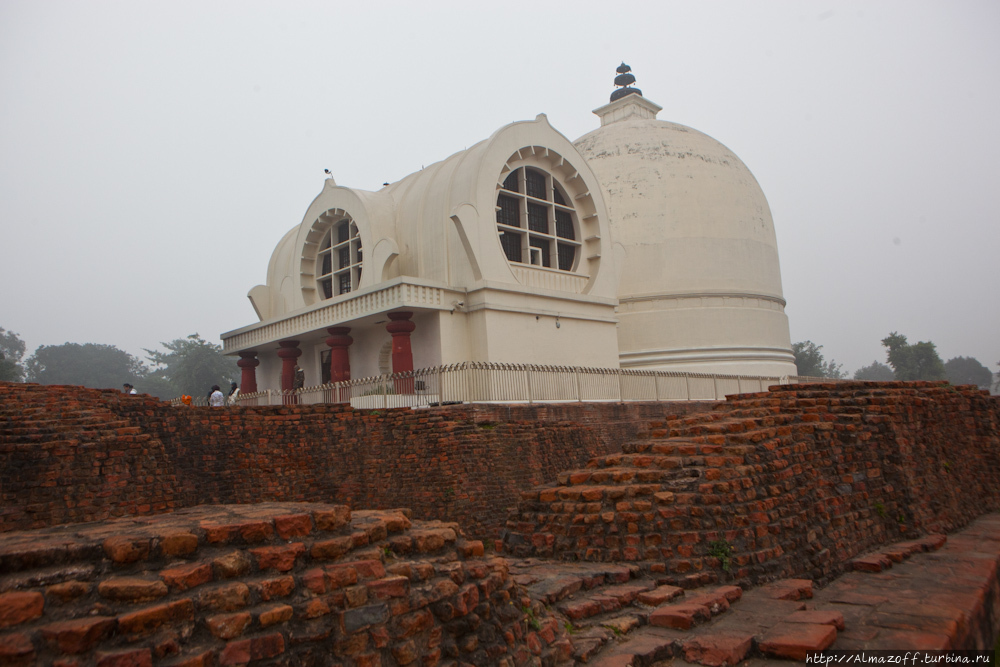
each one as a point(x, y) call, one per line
point(791, 482)
point(274, 583)
point(70, 454)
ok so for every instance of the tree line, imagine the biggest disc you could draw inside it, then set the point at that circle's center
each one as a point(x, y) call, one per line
point(904, 361)
point(188, 365)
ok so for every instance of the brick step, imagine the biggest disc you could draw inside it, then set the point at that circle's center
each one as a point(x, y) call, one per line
point(697, 628)
point(604, 600)
point(672, 468)
point(884, 558)
point(549, 582)
point(636, 462)
point(690, 447)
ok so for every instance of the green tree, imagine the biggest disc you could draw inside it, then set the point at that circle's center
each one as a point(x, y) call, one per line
point(876, 372)
point(917, 361)
point(810, 363)
point(192, 365)
point(89, 365)
point(967, 370)
point(11, 350)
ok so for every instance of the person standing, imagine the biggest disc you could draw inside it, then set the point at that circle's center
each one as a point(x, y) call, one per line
point(216, 399)
point(129, 389)
point(234, 394)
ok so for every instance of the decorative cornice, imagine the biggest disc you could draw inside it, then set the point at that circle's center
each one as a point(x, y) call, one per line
point(328, 313)
point(707, 294)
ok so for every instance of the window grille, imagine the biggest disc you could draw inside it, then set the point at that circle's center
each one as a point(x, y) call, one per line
point(543, 245)
point(510, 183)
point(567, 255)
point(564, 225)
point(340, 243)
point(534, 184)
point(550, 234)
point(511, 242)
point(509, 213)
point(538, 218)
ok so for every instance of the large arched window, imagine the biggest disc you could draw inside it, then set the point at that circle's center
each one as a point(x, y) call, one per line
point(536, 222)
point(338, 260)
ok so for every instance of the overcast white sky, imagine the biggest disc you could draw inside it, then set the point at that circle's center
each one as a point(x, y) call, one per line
point(153, 153)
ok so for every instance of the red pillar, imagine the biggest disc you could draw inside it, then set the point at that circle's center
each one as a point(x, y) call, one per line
point(340, 362)
point(402, 354)
point(248, 363)
point(288, 352)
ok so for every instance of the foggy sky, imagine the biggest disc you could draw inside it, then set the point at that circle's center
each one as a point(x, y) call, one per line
point(152, 154)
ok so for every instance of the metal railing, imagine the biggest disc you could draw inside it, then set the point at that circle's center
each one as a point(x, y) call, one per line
point(484, 382)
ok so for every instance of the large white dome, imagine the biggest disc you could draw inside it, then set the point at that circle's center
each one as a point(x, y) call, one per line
point(700, 286)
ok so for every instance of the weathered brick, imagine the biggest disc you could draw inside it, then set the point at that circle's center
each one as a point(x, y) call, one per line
point(132, 589)
point(390, 587)
point(67, 591)
point(405, 653)
point(413, 623)
point(338, 576)
point(280, 558)
point(331, 548)
point(227, 597)
point(293, 525)
point(146, 621)
point(18, 607)
point(16, 649)
point(228, 626)
point(278, 587)
point(718, 649)
point(274, 615)
point(362, 617)
point(187, 576)
point(79, 635)
point(333, 518)
point(141, 657)
point(680, 616)
point(795, 641)
point(124, 550)
point(178, 544)
point(231, 565)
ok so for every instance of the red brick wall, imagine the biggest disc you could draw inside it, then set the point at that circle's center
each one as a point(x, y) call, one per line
point(69, 454)
point(796, 481)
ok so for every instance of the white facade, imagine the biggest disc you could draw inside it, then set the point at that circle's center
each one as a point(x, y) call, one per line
point(644, 244)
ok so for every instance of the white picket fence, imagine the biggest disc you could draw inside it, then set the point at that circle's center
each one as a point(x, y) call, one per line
point(483, 382)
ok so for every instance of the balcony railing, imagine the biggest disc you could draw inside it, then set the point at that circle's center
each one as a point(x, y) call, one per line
point(483, 382)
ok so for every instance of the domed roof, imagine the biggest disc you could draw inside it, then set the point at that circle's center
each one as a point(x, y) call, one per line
point(700, 286)
point(686, 210)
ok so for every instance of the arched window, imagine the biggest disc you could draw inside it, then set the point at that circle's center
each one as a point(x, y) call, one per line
point(536, 222)
point(338, 261)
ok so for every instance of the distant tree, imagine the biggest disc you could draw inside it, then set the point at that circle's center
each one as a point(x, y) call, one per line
point(155, 386)
point(90, 365)
point(809, 361)
point(192, 365)
point(967, 370)
point(876, 372)
point(919, 361)
point(11, 350)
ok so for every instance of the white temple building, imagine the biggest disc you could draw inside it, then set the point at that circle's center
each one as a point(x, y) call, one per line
point(643, 244)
